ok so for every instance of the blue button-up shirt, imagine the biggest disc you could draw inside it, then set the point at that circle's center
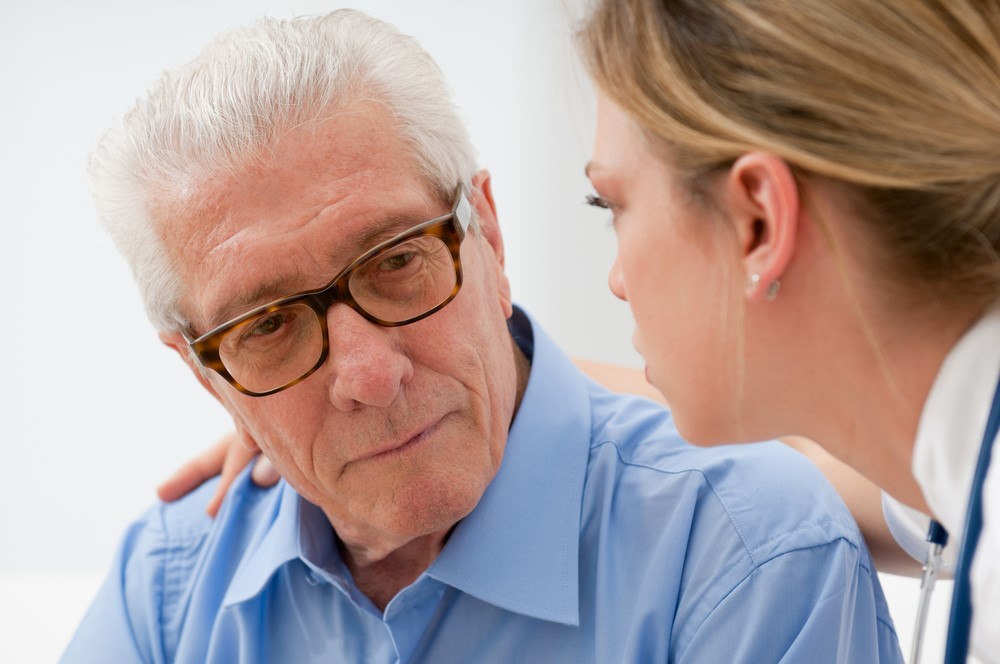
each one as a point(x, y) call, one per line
point(603, 538)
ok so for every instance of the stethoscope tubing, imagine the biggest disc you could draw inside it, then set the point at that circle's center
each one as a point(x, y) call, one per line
point(937, 537)
point(960, 621)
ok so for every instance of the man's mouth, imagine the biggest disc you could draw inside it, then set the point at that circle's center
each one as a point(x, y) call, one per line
point(403, 444)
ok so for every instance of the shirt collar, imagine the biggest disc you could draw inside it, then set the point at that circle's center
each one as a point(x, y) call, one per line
point(951, 425)
point(518, 549)
point(295, 530)
point(275, 543)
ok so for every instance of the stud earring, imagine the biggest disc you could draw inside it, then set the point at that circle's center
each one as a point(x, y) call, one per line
point(772, 291)
point(771, 294)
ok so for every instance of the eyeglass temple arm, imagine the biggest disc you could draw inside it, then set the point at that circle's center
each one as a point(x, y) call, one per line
point(463, 212)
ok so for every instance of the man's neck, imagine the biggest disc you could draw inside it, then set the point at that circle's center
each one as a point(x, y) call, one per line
point(381, 579)
point(523, 367)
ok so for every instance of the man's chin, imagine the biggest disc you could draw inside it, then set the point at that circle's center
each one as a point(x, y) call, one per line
point(431, 507)
point(424, 506)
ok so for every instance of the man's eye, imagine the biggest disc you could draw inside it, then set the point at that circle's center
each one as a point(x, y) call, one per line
point(396, 261)
point(267, 326)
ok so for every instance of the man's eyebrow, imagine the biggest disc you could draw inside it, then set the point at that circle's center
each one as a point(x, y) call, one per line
point(386, 228)
point(235, 306)
point(353, 246)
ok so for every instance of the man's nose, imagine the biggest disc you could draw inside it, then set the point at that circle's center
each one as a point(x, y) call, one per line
point(368, 368)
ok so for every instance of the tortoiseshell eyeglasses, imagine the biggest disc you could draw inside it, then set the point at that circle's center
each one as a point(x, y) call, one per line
point(397, 282)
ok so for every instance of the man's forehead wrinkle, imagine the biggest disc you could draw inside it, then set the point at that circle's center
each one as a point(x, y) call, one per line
point(228, 243)
point(237, 234)
point(199, 214)
point(370, 232)
point(308, 269)
point(182, 239)
point(246, 285)
point(366, 123)
point(232, 307)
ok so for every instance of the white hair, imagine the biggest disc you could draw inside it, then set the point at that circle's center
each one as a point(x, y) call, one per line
point(228, 106)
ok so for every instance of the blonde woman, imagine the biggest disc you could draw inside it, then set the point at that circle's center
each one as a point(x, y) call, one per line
point(807, 202)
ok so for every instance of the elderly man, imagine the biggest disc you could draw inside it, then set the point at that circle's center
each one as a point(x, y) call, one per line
point(302, 211)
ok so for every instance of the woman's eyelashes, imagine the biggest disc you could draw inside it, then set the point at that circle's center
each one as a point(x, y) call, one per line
point(598, 201)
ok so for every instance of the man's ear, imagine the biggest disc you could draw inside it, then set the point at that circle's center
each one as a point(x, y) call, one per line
point(489, 228)
point(486, 212)
point(764, 204)
point(177, 342)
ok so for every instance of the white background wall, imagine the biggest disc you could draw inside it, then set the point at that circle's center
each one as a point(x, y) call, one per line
point(94, 411)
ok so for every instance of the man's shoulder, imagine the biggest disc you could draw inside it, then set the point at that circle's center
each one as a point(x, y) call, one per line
point(772, 497)
point(186, 519)
point(180, 544)
point(709, 531)
point(175, 541)
point(167, 528)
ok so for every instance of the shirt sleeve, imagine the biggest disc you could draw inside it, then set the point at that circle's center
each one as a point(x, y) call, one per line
point(817, 605)
point(122, 624)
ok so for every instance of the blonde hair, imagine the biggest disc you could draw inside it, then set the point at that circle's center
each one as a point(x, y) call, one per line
point(898, 99)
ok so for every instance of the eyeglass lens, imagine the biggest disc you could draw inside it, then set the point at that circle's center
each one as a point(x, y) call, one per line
point(401, 283)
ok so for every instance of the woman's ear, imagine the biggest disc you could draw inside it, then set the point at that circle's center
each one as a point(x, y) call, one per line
point(763, 198)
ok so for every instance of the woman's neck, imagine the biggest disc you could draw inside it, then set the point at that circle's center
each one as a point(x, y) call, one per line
point(881, 392)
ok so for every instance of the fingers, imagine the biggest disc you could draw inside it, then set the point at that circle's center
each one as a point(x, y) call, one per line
point(226, 458)
point(238, 455)
point(192, 474)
